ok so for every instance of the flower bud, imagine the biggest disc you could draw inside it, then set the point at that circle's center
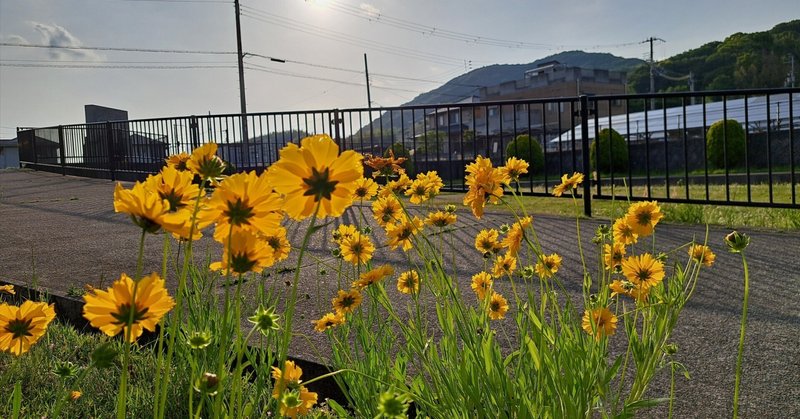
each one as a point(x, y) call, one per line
point(207, 384)
point(736, 241)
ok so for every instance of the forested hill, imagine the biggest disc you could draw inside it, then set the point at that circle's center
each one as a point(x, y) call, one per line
point(741, 61)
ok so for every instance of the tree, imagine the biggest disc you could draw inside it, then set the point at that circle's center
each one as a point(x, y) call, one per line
point(526, 148)
point(431, 143)
point(611, 154)
point(725, 143)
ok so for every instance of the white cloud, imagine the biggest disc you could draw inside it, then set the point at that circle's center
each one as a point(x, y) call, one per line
point(14, 39)
point(370, 10)
point(58, 36)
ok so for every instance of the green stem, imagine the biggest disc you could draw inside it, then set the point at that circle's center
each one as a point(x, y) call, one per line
point(123, 378)
point(740, 356)
point(671, 388)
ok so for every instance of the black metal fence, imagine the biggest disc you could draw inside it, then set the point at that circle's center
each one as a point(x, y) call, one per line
point(656, 147)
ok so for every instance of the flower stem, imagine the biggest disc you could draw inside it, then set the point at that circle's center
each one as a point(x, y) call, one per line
point(740, 355)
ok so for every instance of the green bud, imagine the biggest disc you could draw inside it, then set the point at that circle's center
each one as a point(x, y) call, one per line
point(367, 230)
point(207, 384)
point(265, 319)
point(736, 241)
point(505, 228)
point(65, 369)
point(199, 340)
point(392, 405)
point(450, 208)
point(671, 349)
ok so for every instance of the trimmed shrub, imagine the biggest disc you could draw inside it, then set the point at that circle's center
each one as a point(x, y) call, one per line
point(718, 148)
point(613, 157)
point(400, 150)
point(526, 148)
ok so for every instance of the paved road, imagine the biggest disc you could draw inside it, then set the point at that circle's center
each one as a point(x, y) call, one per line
point(62, 232)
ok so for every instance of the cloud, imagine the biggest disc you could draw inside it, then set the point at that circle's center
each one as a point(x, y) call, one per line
point(14, 39)
point(58, 36)
point(370, 10)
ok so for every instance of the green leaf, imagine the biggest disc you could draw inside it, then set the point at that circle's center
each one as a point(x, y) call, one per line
point(317, 227)
point(613, 370)
point(16, 400)
point(639, 404)
point(338, 409)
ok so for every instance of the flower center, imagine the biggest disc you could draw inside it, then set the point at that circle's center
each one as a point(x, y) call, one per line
point(643, 275)
point(495, 306)
point(174, 200)
point(19, 328)
point(241, 263)
point(347, 301)
point(238, 212)
point(274, 243)
point(356, 248)
point(319, 184)
point(643, 218)
point(124, 315)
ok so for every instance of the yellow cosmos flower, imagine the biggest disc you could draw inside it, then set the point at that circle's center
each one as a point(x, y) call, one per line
point(179, 161)
point(387, 210)
point(357, 249)
point(286, 379)
point(7, 289)
point(400, 234)
point(623, 233)
point(482, 284)
point(513, 239)
point(644, 271)
point(440, 219)
point(149, 211)
point(702, 254)
point(366, 188)
point(347, 301)
point(613, 255)
point(75, 395)
point(504, 265)
point(22, 326)
point(372, 276)
point(343, 232)
point(485, 184)
point(548, 265)
point(630, 289)
point(432, 182)
point(599, 322)
point(513, 169)
point(244, 253)
point(144, 302)
point(205, 163)
point(174, 186)
point(643, 217)
point(419, 191)
point(244, 201)
point(498, 306)
point(408, 282)
point(329, 320)
point(315, 173)
point(395, 187)
point(278, 243)
point(568, 183)
point(487, 241)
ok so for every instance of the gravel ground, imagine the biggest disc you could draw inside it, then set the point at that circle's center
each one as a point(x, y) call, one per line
point(62, 232)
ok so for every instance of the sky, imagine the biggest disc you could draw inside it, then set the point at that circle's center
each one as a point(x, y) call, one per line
point(412, 46)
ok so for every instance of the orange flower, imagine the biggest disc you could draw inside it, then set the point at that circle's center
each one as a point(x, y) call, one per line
point(599, 322)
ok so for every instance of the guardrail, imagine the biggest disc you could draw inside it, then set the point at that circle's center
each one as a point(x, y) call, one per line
point(651, 146)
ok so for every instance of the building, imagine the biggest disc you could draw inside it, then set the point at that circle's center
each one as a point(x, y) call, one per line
point(9, 153)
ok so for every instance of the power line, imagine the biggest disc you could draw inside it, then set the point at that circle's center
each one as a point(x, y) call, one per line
point(127, 67)
point(148, 50)
point(110, 62)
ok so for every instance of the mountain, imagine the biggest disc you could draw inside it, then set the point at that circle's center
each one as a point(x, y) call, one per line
point(741, 61)
point(468, 84)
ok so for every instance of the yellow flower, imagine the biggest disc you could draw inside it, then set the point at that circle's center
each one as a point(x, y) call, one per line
point(547, 266)
point(504, 265)
point(408, 282)
point(328, 321)
point(433, 183)
point(149, 211)
point(365, 189)
point(630, 289)
point(418, 191)
point(297, 402)
point(643, 217)
point(315, 173)
point(174, 186)
point(244, 201)
point(7, 289)
point(395, 187)
point(486, 241)
point(702, 254)
point(400, 234)
point(513, 169)
point(22, 326)
point(372, 276)
point(644, 271)
point(344, 231)
point(481, 284)
point(485, 183)
point(623, 233)
point(513, 239)
point(568, 183)
point(144, 302)
point(599, 322)
point(357, 249)
point(75, 395)
point(247, 253)
point(278, 243)
point(205, 163)
point(498, 306)
point(440, 219)
point(387, 210)
point(179, 161)
point(613, 255)
point(286, 379)
point(347, 301)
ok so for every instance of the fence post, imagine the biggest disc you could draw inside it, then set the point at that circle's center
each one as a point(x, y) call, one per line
point(33, 147)
point(61, 150)
point(194, 132)
point(587, 167)
point(110, 147)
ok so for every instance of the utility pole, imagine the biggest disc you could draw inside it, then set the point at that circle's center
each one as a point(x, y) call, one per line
point(652, 69)
point(366, 71)
point(791, 79)
point(242, 97)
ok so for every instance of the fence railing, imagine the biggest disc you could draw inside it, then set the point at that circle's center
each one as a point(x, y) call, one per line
point(657, 146)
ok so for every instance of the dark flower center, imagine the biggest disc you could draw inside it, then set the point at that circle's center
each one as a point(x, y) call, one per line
point(241, 263)
point(174, 200)
point(347, 301)
point(643, 218)
point(319, 184)
point(238, 212)
point(124, 315)
point(19, 328)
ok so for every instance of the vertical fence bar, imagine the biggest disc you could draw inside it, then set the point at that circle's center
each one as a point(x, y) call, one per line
point(791, 150)
point(747, 148)
point(666, 146)
point(769, 147)
point(62, 150)
point(587, 194)
point(110, 150)
point(685, 149)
